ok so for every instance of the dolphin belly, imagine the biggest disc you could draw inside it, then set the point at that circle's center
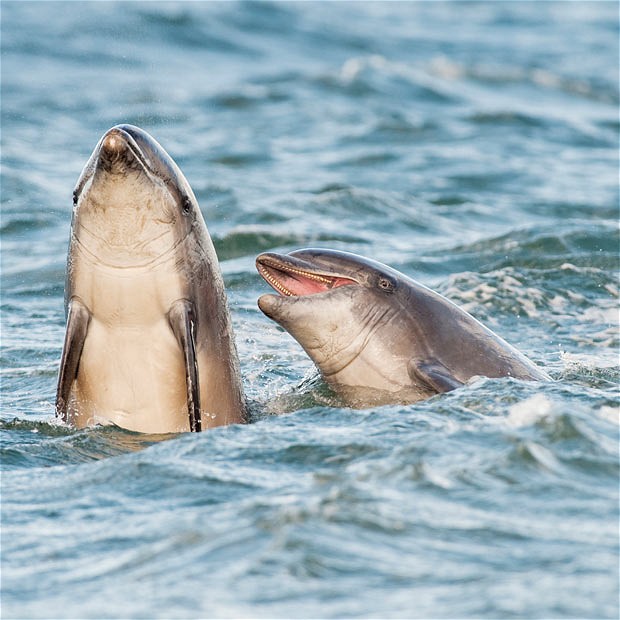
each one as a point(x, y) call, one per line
point(133, 377)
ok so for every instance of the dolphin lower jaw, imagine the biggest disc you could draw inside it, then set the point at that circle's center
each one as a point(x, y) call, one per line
point(335, 357)
point(101, 254)
point(323, 351)
point(119, 154)
point(268, 305)
point(118, 161)
point(119, 231)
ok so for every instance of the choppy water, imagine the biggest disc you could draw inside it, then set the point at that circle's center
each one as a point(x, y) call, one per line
point(473, 146)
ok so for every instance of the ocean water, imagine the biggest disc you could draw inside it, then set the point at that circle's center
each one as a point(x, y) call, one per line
point(471, 145)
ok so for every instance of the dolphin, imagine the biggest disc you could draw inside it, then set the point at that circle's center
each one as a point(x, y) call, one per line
point(376, 335)
point(149, 343)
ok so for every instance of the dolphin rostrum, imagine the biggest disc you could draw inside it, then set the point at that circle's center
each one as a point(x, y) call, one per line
point(377, 335)
point(149, 343)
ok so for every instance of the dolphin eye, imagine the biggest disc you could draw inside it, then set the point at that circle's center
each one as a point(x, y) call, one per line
point(186, 206)
point(385, 284)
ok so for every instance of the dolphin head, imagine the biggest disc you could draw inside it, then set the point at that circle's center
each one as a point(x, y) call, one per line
point(132, 204)
point(339, 307)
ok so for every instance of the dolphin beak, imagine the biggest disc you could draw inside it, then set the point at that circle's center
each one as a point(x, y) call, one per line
point(113, 143)
point(117, 152)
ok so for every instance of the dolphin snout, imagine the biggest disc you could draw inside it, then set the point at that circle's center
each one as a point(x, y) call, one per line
point(113, 143)
point(115, 152)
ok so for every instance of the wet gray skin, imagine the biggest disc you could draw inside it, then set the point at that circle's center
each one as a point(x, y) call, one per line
point(149, 343)
point(377, 335)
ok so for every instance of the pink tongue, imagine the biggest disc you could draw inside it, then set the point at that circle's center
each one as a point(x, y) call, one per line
point(298, 285)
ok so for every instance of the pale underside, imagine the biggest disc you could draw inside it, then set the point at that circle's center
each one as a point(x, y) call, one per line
point(131, 370)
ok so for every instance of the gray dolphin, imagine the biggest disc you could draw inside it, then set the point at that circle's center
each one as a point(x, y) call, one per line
point(149, 343)
point(377, 335)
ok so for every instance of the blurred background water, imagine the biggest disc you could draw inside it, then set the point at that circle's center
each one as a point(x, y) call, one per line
point(471, 145)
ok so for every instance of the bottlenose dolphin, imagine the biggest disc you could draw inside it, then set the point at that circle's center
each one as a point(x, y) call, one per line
point(370, 329)
point(149, 343)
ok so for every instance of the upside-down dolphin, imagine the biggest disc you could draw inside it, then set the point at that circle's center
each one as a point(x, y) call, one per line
point(369, 328)
point(149, 343)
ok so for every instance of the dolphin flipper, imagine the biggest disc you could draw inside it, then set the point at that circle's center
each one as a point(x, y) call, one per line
point(78, 319)
point(434, 374)
point(181, 318)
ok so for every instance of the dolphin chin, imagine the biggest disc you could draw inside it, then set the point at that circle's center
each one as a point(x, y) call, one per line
point(149, 343)
point(118, 152)
point(368, 327)
point(268, 304)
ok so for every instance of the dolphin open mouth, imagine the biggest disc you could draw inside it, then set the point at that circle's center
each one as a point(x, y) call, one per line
point(293, 278)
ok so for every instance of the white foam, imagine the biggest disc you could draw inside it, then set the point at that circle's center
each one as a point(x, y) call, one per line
point(610, 414)
point(529, 411)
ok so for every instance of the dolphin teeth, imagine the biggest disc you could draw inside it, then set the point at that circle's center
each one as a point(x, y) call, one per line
point(310, 276)
point(301, 272)
point(275, 282)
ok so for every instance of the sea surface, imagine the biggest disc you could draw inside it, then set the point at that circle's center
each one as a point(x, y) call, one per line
point(472, 146)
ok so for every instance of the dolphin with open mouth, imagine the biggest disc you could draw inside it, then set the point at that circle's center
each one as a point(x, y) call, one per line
point(377, 335)
point(149, 343)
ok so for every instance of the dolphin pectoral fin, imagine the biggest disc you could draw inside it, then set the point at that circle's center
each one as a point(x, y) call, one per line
point(78, 319)
point(181, 317)
point(434, 374)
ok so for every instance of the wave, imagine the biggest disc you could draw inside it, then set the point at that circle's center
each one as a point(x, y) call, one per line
point(591, 88)
point(32, 444)
point(592, 245)
point(371, 75)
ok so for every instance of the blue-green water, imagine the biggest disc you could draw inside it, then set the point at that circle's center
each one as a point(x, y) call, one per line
point(473, 146)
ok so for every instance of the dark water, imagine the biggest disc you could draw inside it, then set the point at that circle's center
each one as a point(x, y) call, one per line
point(473, 146)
